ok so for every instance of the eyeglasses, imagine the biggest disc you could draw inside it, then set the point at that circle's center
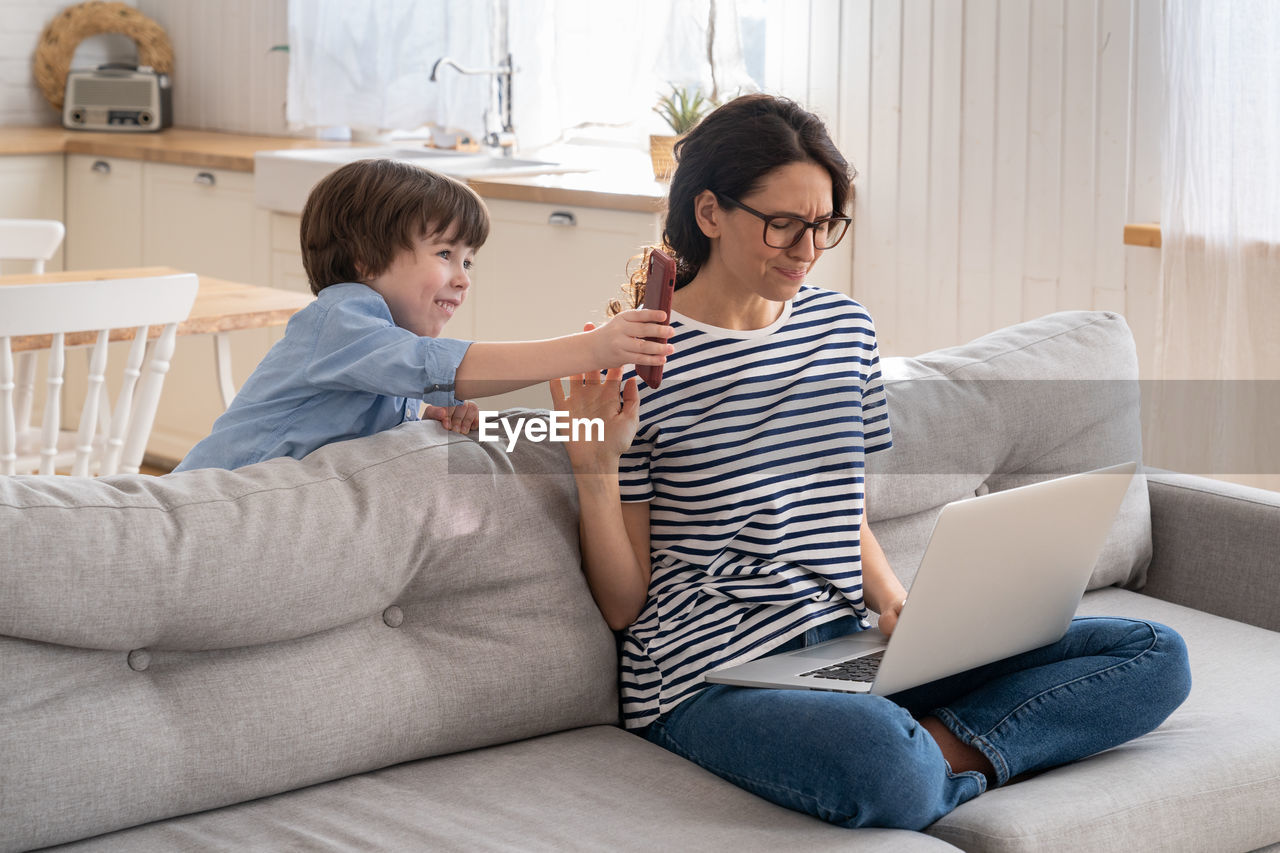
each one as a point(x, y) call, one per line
point(783, 232)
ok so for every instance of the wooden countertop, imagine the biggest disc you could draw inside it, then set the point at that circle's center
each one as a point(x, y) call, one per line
point(582, 189)
point(179, 147)
point(234, 152)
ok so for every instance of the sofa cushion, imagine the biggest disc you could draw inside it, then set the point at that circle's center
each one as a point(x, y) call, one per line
point(185, 642)
point(1208, 779)
point(1045, 398)
point(595, 788)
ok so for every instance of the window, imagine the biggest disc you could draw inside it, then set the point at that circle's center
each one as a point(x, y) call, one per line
point(584, 69)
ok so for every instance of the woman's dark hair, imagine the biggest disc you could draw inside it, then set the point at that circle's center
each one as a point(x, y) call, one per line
point(730, 152)
point(359, 217)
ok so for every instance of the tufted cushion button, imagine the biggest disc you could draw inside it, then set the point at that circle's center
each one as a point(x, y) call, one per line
point(393, 616)
point(139, 659)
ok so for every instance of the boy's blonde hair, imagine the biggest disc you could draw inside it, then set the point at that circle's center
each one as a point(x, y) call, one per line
point(358, 219)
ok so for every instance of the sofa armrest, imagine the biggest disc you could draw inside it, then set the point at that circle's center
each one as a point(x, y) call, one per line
point(1215, 547)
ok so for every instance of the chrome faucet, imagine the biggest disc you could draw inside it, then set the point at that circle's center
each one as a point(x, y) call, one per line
point(503, 139)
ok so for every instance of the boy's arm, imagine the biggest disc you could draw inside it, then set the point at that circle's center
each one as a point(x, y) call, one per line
point(496, 367)
point(357, 350)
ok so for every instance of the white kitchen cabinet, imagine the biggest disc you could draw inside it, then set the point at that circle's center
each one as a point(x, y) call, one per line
point(545, 270)
point(31, 187)
point(204, 221)
point(104, 212)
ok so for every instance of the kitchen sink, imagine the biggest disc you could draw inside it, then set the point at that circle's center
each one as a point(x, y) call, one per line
point(283, 179)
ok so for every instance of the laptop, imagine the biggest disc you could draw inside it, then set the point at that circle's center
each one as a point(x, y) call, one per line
point(1003, 574)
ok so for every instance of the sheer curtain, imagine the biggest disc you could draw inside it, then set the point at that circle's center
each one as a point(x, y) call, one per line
point(366, 64)
point(584, 62)
point(1220, 320)
point(1220, 222)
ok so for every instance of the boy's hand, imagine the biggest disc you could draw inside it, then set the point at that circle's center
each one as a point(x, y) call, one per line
point(622, 340)
point(459, 419)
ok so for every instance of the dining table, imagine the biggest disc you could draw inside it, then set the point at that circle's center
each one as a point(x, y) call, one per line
point(221, 307)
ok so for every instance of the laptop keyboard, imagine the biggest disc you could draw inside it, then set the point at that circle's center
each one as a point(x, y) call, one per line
point(858, 669)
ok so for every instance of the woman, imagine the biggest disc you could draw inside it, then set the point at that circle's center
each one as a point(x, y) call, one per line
point(723, 518)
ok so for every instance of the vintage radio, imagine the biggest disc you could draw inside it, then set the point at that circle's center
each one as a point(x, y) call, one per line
point(118, 97)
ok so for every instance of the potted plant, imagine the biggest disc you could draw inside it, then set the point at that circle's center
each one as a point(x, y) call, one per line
point(682, 109)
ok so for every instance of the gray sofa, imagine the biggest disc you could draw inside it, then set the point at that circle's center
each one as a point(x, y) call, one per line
point(389, 645)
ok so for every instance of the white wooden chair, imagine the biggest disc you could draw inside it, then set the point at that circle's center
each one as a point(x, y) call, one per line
point(80, 313)
point(32, 241)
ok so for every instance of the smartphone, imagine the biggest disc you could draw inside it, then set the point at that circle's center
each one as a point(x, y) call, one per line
point(659, 287)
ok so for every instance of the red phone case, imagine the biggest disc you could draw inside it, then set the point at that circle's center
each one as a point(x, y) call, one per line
point(659, 287)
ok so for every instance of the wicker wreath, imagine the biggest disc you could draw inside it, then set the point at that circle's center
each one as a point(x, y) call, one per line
point(74, 24)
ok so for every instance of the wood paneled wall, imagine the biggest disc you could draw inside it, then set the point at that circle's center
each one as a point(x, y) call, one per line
point(1002, 145)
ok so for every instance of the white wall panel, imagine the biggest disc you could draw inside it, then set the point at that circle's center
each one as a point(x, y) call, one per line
point(226, 76)
point(942, 296)
point(911, 232)
point(877, 209)
point(977, 226)
point(21, 23)
point(1002, 145)
point(1142, 265)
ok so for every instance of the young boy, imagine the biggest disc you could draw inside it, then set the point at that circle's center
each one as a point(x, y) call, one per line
point(388, 249)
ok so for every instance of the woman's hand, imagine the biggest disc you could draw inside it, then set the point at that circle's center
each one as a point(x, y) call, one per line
point(881, 589)
point(591, 395)
point(459, 419)
point(889, 616)
point(622, 340)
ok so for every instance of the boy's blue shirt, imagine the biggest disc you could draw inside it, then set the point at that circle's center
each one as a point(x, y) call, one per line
point(343, 370)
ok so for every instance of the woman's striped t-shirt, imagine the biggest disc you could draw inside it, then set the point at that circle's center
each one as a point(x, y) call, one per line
point(751, 456)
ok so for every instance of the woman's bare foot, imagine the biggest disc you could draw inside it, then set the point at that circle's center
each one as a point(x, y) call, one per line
point(960, 756)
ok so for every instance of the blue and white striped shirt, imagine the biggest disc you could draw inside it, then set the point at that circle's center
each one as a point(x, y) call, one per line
point(751, 456)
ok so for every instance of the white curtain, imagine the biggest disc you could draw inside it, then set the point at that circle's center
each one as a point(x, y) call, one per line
point(1220, 227)
point(586, 62)
point(1220, 222)
point(366, 64)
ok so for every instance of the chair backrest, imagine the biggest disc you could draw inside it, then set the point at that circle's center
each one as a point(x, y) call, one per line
point(33, 240)
point(78, 313)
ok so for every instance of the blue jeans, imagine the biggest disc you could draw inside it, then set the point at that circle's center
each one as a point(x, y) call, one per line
point(863, 760)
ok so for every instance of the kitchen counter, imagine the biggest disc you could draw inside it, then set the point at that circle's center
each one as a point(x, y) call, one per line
point(234, 152)
point(584, 189)
point(176, 146)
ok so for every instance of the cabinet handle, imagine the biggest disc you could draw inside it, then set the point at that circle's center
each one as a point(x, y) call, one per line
point(102, 167)
point(562, 217)
point(206, 178)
